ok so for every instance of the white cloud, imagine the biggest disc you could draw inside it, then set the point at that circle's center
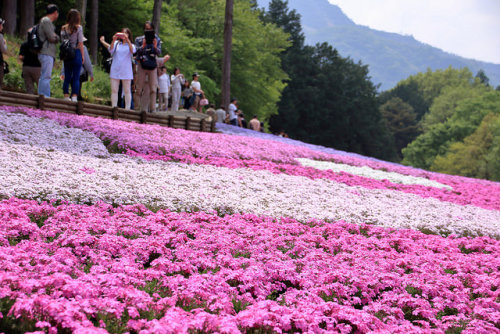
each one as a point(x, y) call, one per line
point(468, 28)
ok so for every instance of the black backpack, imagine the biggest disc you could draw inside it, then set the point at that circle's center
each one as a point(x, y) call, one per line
point(148, 57)
point(34, 42)
point(66, 51)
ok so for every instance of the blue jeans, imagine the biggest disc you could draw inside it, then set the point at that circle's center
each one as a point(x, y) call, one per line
point(72, 70)
point(45, 75)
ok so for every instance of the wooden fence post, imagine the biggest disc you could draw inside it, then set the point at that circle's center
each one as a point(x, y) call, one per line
point(188, 122)
point(212, 126)
point(144, 117)
point(41, 102)
point(202, 125)
point(171, 121)
point(115, 112)
point(80, 108)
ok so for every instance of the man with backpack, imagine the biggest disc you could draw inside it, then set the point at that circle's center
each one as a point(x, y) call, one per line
point(31, 66)
point(49, 39)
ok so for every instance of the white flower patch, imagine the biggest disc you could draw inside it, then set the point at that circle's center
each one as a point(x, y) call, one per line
point(19, 128)
point(31, 172)
point(372, 173)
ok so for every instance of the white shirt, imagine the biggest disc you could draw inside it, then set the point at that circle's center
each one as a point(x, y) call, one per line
point(195, 85)
point(163, 83)
point(232, 112)
point(121, 68)
point(177, 81)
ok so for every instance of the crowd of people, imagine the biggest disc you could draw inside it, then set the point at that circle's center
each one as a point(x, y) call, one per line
point(138, 75)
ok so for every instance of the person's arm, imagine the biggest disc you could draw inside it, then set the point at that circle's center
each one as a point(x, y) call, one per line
point(49, 31)
point(3, 44)
point(104, 43)
point(88, 64)
point(130, 45)
point(113, 44)
point(80, 43)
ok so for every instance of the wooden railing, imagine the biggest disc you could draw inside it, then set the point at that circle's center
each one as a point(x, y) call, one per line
point(98, 110)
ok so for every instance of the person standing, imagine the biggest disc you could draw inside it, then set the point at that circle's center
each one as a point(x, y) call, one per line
point(31, 67)
point(87, 71)
point(47, 54)
point(73, 32)
point(123, 51)
point(233, 117)
point(148, 49)
point(3, 49)
point(186, 95)
point(221, 115)
point(164, 88)
point(197, 93)
point(177, 81)
point(255, 123)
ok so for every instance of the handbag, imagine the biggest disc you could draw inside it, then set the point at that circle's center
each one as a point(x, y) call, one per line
point(203, 102)
point(109, 61)
point(66, 51)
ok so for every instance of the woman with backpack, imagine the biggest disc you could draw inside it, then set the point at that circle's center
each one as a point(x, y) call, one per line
point(72, 31)
point(122, 50)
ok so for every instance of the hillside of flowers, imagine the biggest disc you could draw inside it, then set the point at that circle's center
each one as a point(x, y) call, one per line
point(115, 227)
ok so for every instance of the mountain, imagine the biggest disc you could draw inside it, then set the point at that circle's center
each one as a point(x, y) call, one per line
point(391, 57)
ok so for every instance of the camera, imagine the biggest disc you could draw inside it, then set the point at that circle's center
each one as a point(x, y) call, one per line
point(149, 35)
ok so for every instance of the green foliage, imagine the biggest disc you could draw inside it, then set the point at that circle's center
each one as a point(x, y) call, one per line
point(477, 156)
point(401, 121)
point(194, 39)
point(465, 119)
point(329, 100)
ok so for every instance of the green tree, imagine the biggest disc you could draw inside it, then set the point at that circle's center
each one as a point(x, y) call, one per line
point(195, 41)
point(329, 100)
point(401, 121)
point(445, 104)
point(465, 119)
point(477, 156)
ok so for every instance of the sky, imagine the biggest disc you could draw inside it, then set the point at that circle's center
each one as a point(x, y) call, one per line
point(468, 28)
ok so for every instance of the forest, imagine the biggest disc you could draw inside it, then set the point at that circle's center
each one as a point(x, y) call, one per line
point(445, 120)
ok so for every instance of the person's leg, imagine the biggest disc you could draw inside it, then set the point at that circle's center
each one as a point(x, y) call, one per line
point(114, 92)
point(176, 96)
point(68, 74)
point(128, 92)
point(36, 77)
point(46, 73)
point(153, 87)
point(28, 79)
point(75, 75)
point(139, 86)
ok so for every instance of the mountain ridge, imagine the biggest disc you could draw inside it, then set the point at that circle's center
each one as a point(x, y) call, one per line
point(391, 57)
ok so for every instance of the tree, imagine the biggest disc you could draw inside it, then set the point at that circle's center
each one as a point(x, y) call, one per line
point(477, 156)
point(226, 60)
point(27, 17)
point(157, 15)
point(329, 100)
point(9, 13)
point(401, 121)
point(81, 5)
point(483, 78)
point(437, 140)
point(94, 24)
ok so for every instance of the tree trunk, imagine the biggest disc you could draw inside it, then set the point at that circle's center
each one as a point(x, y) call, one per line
point(27, 17)
point(9, 14)
point(93, 38)
point(226, 62)
point(81, 5)
point(157, 15)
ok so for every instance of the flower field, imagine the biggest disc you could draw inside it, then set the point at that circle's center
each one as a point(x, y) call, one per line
point(116, 227)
